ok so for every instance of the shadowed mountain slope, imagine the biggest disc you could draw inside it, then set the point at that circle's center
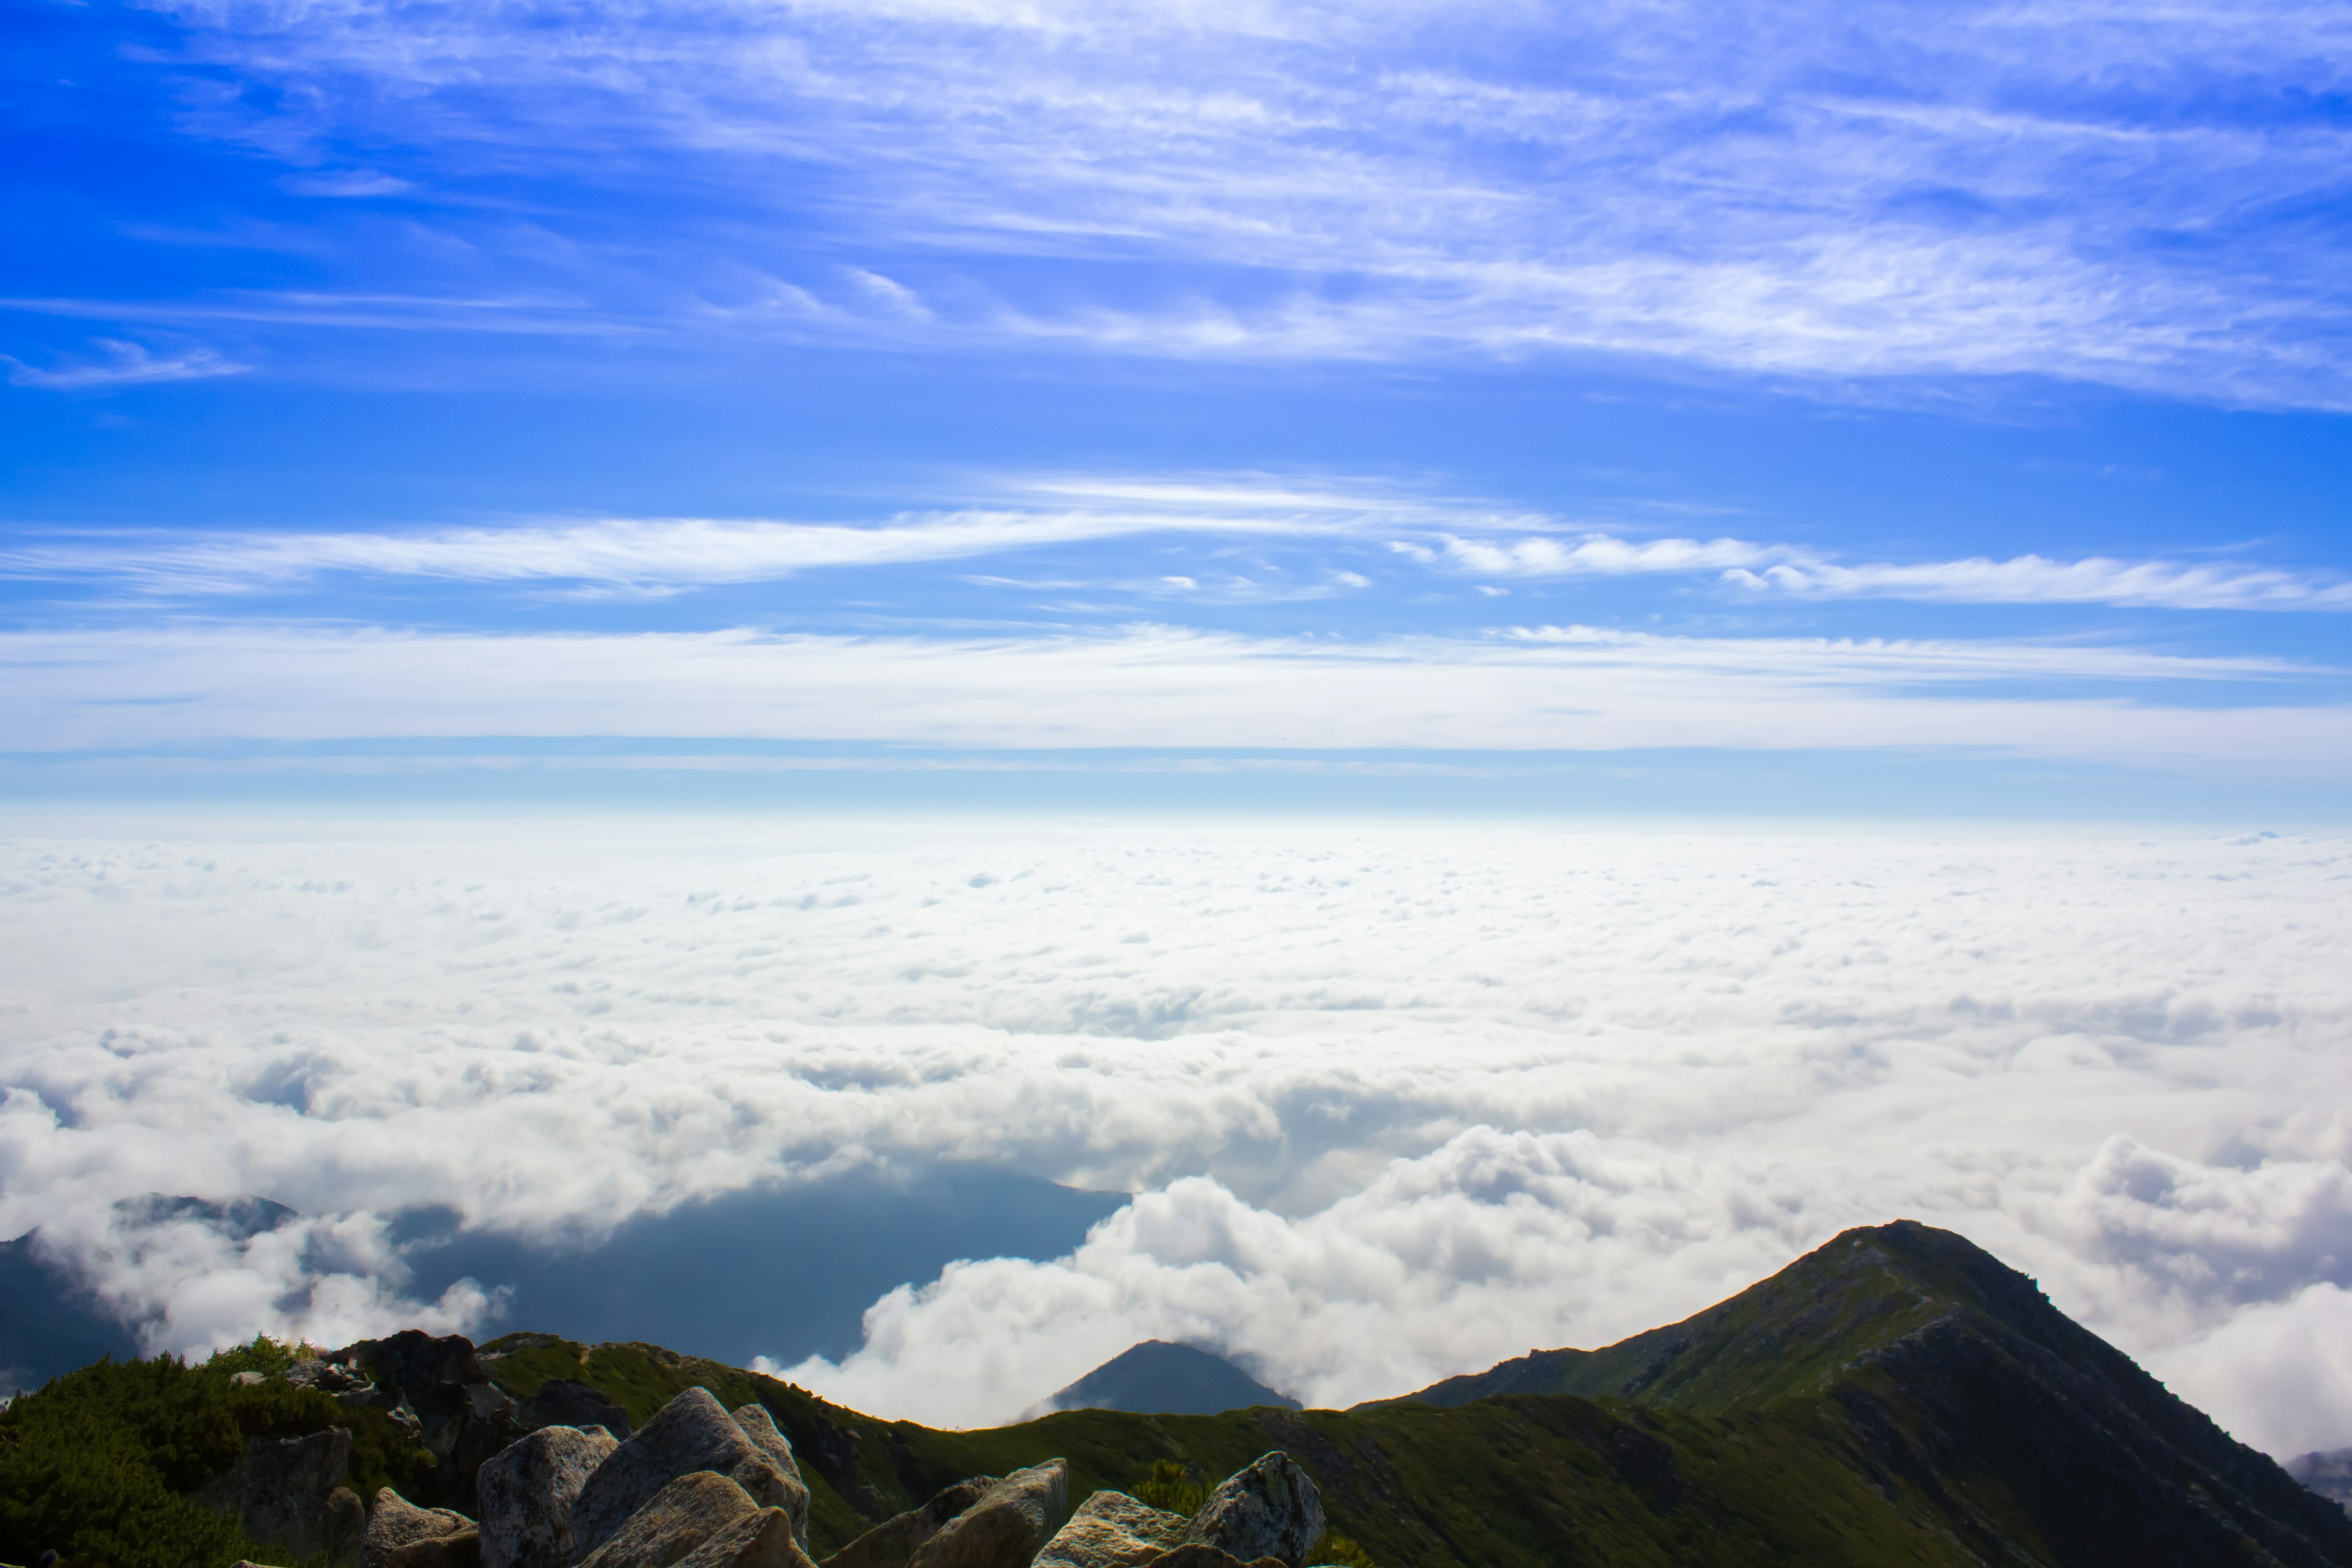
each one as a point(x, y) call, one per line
point(1961, 1379)
point(1157, 1378)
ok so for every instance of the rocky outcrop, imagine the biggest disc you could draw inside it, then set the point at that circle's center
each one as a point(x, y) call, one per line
point(440, 1386)
point(1007, 1527)
point(762, 1540)
point(288, 1492)
point(1270, 1510)
point(891, 1543)
point(692, 1432)
point(527, 1490)
point(760, 1429)
point(1196, 1554)
point(399, 1534)
point(676, 1522)
point(1112, 1529)
point(568, 1402)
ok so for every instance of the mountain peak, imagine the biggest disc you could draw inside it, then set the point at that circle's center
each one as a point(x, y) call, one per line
point(1159, 1377)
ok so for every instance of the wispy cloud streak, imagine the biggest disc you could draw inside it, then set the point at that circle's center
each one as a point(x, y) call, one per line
point(1786, 188)
point(1537, 689)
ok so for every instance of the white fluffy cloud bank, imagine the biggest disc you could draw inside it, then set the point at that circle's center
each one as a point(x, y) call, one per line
point(1395, 1103)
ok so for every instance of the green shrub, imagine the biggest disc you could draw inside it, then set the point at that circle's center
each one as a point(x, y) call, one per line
point(99, 1464)
point(1345, 1553)
point(1170, 1487)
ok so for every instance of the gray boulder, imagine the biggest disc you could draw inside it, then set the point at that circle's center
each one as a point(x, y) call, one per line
point(293, 1496)
point(676, 1522)
point(1007, 1527)
point(568, 1402)
point(528, 1488)
point(692, 1432)
point(760, 1429)
point(1112, 1529)
point(762, 1540)
point(1196, 1554)
point(891, 1543)
point(1270, 1510)
point(399, 1534)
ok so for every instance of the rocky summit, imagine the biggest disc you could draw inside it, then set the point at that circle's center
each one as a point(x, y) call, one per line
point(1896, 1397)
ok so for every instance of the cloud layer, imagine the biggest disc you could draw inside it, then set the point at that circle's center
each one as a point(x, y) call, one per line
point(1396, 1102)
point(2130, 198)
point(1529, 688)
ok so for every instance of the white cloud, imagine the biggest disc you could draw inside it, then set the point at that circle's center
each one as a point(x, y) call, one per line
point(2035, 580)
point(1453, 534)
point(1552, 688)
point(124, 365)
point(1791, 189)
point(1447, 1093)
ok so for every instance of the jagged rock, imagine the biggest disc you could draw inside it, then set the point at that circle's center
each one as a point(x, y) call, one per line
point(1270, 1510)
point(676, 1522)
point(326, 1377)
point(762, 1540)
point(891, 1543)
point(760, 1429)
point(1007, 1527)
point(248, 1379)
point(399, 1534)
point(568, 1402)
point(692, 1432)
point(528, 1488)
point(1112, 1529)
point(1200, 1554)
point(441, 1386)
point(292, 1495)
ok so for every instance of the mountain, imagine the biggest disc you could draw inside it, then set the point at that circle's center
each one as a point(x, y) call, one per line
point(1897, 1398)
point(781, 1271)
point(47, 1323)
point(2328, 1474)
point(1157, 1378)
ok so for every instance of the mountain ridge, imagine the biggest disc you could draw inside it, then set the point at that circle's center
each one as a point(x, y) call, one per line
point(1897, 1398)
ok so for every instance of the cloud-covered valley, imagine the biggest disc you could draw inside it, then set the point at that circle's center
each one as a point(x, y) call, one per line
point(1394, 1101)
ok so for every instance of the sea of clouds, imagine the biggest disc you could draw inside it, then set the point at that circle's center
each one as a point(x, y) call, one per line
point(1395, 1101)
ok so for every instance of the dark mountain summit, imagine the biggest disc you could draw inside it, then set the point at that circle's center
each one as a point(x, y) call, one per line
point(1157, 1378)
point(1897, 1398)
point(1951, 1373)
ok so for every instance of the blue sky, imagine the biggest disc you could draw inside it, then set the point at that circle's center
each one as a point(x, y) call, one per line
point(1774, 407)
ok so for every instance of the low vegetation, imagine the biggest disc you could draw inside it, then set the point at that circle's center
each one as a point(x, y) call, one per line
point(103, 1464)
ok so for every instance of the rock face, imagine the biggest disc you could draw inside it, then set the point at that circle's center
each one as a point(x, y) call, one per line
point(568, 1402)
point(399, 1534)
point(1271, 1509)
point(1007, 1527)
point(441, 1385)
point(292, 1495)
point(1112, 1529)
point(1197, 1555)
point(692, 1432)
point(527, 1491)
point(764, 1540)
point(676, 1521)
point(891, 1543)
point(760, 1429)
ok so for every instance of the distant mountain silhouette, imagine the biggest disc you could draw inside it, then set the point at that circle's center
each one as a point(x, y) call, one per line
point(782, 1271)
point(48, 1324)
point(1158, 1378)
